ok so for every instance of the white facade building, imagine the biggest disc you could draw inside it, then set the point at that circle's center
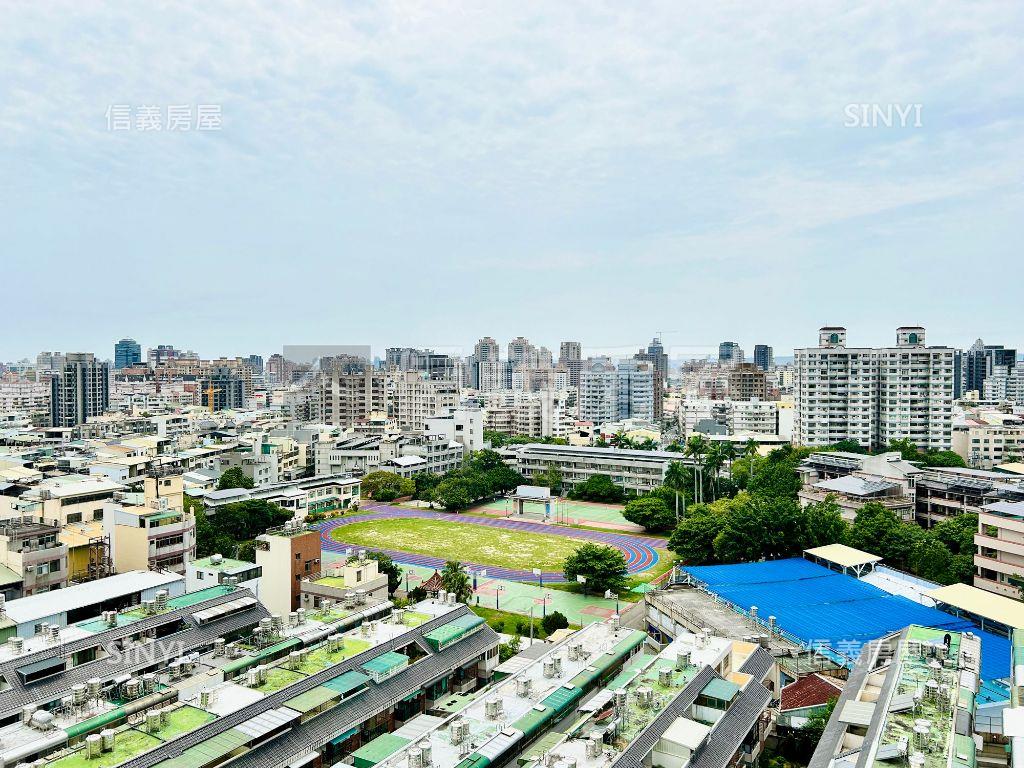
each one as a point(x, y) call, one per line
point(874, 396)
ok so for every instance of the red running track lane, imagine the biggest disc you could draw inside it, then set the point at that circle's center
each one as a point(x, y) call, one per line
point(639, 551)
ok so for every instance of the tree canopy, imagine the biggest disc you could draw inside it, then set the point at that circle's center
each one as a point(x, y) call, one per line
point(386, 486)
point(234, 477)
point(604, 567)
point(651, 512)
point(598, 488)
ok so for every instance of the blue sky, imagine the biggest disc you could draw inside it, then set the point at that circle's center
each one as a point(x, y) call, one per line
point(426, 173)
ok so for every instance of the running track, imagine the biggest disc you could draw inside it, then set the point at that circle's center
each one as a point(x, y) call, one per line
point(639, 551)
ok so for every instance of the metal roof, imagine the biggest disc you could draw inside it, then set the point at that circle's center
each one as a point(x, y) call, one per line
point(855, 485)
point(840, 554)
point(634, 755)
point(982, 603)
point(30, 609)
point(730, 731)
point(319, 730)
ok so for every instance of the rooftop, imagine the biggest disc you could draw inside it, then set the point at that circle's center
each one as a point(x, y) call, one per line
point(26, 610)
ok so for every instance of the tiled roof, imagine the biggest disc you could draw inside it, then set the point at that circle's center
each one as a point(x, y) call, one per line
point(811, 691)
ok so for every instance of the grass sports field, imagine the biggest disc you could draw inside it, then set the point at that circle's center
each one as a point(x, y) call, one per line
point(462, 541)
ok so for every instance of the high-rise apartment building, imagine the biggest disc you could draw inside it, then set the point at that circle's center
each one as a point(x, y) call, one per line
point(747, 382)
point(915, 392)
point(80, 390)
point(412, 398)
point(874, 395)
point(570, 357)
point(655, 355)
point(729, 353)
point(981, 361)
point(222, 388)
point(345, 397)
point(49, 362)
point(609, 392)
point(763, 356)
point(127, 352)
point(521, 352)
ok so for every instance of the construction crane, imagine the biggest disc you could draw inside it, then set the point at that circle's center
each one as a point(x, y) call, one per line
point(209, 396)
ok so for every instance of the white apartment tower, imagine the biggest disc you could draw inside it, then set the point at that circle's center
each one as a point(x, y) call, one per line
point(873, 395)
point(915, 392)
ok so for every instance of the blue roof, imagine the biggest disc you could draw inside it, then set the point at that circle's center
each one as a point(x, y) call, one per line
point(827, 608)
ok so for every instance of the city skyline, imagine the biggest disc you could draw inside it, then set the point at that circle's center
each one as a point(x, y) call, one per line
point(695, 170)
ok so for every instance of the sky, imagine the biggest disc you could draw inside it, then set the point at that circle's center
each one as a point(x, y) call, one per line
point(423, 174)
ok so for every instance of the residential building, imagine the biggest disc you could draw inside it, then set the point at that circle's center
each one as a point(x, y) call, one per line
point(80, 390)
point(701, 702)
point(217, 570)
point(222, 388)
point(747, 382)
point(464, 425)
point(287, 555)
point(598, 391)
point(356, 577)
point(729, 353)
point(151, 530)
point(980, 361)
point(987, 439)
point(878, 717)
point(412, 398)
point(609, 392)
point(763, 357)
point(343, 398)
point(915, 392)
point(49, 362)
point(33, 559)
point(521, 352)
point(66, 499)
point(874, 396)
point(403, 454)
point(127, 353)
point(570, 357)
point(655, 355)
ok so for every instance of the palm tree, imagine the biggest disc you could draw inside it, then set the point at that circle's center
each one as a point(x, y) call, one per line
point(713, 462)
point(750, 452)
point(729, 454)
point(455, 579)
point(697, 446)
point(675, 476)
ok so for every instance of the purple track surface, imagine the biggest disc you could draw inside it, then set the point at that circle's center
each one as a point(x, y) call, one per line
point(639, 551)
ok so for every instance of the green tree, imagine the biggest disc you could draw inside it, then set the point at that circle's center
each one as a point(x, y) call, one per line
point(877, 529)
point(510, 649)
point(693, 540)
point(651, 512)
point(424, 485)
point(944, 459)
point(234, 477)
point(758, 527)
point(824, 524)
point(455, 579)
point(386, 486)
point(930, 559)
point(553, 622)
point(677, 478)
point(598, 488)
point(387, 566)
point(696, 447)
point(550, 478)
point(453, 494)
point(604, 568)
point(776, 476)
